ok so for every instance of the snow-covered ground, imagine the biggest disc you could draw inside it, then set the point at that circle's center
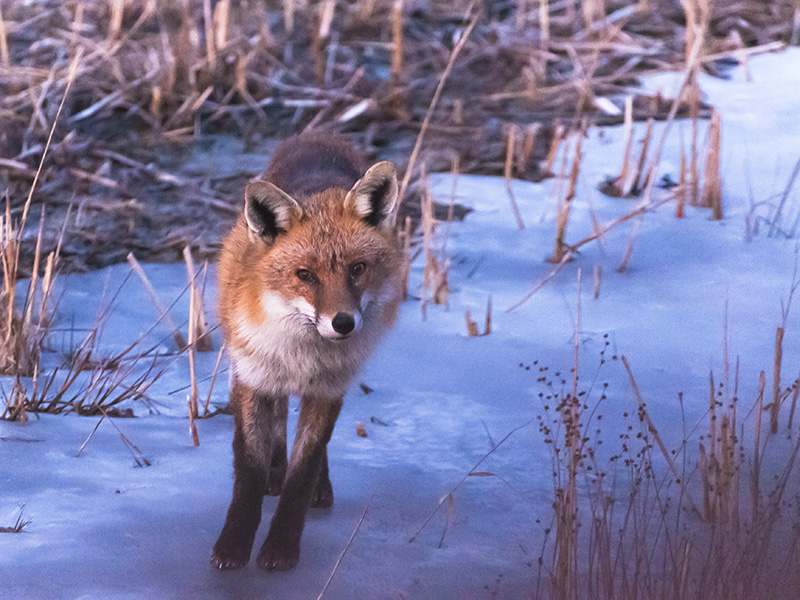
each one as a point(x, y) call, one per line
point(103, 528)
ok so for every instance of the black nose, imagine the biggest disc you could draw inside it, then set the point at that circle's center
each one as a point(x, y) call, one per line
point(343, 323)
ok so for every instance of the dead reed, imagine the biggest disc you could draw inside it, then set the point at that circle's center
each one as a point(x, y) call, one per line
point(156, 77)
point(435, 287)
point(20, 524)
point(625, 522)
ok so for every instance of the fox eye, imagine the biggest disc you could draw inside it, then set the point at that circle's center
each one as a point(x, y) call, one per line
point(357, 269)
point(305, 276)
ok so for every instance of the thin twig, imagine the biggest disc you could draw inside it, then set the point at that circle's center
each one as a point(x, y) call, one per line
point(436, 94)
point(469, 473)
point(344, 551)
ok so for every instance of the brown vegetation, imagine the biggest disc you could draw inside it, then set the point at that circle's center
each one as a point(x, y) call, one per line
point(154, 78)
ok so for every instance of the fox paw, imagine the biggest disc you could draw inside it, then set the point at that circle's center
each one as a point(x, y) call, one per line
point(278, 557)
point(323, 494)
point(224, 559)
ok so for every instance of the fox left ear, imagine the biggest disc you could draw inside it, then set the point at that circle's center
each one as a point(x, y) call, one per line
point(374, 196)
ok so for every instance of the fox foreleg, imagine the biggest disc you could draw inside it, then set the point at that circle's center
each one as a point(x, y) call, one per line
point(306, 482)
point(259, 466)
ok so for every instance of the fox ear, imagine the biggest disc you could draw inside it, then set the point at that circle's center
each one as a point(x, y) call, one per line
point(374, 196)
point(268, 209)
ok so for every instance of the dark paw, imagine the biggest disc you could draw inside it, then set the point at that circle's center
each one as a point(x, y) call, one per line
point(323, 494)
point(229, 558)
point(277, 556)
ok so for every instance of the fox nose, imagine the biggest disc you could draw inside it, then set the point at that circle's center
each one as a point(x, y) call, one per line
point(343, 323)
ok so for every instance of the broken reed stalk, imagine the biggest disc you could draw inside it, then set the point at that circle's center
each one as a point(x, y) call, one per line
point(795, 394)
point(208, 24)
point(288, 15)
point(221, 19)
point(626, 257)
point(712, 183)
point(115, 21)
point(597, 279)
point(544, 22)
point(193, 409)
point(472, 326)
point(623, 183)
point(476, 14)
point(397, 40)
point(529, 139)
point(192, 423)
point(487, 327)
point(555, 143)
point(694, 114)
point(197, 322)
point(4, 56)
point(507, 172)
point(639, 177)
point(434, 275)
point(161, 309)
point(565, 205)
point(776, 381)
point(592, 10)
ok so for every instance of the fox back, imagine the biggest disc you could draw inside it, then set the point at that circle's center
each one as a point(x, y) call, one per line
point(310, 277)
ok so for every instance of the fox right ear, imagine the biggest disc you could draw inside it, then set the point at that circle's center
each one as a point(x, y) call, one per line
point(268, 209)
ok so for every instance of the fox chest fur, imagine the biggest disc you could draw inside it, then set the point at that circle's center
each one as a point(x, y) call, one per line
point(310, 277)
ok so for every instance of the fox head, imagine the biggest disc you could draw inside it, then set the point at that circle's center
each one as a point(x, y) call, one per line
point(328, 258)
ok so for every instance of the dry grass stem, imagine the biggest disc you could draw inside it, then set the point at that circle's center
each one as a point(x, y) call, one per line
point(597, 278)
point(344, 551)
point(197, 323)
point(776, 381)
point(472, 326)
point(544, 22)
point(565, 203)
point(213, 380)
point(712, 182)
point(161, 309)
point(5, 61)
point(192, 424)
point(511, 137)
point(435, 286)
point(397, 39)
point(462, 40)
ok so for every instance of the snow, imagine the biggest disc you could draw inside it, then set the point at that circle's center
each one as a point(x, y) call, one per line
point(101, 527)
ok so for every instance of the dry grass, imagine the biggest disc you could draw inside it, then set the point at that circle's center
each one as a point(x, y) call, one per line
point(155, 78)
point(626, 524)
point(19, 525)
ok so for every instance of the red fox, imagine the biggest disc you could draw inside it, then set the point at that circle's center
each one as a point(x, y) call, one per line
point(309, 280)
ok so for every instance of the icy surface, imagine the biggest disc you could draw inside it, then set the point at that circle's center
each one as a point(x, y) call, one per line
point(103, 528)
